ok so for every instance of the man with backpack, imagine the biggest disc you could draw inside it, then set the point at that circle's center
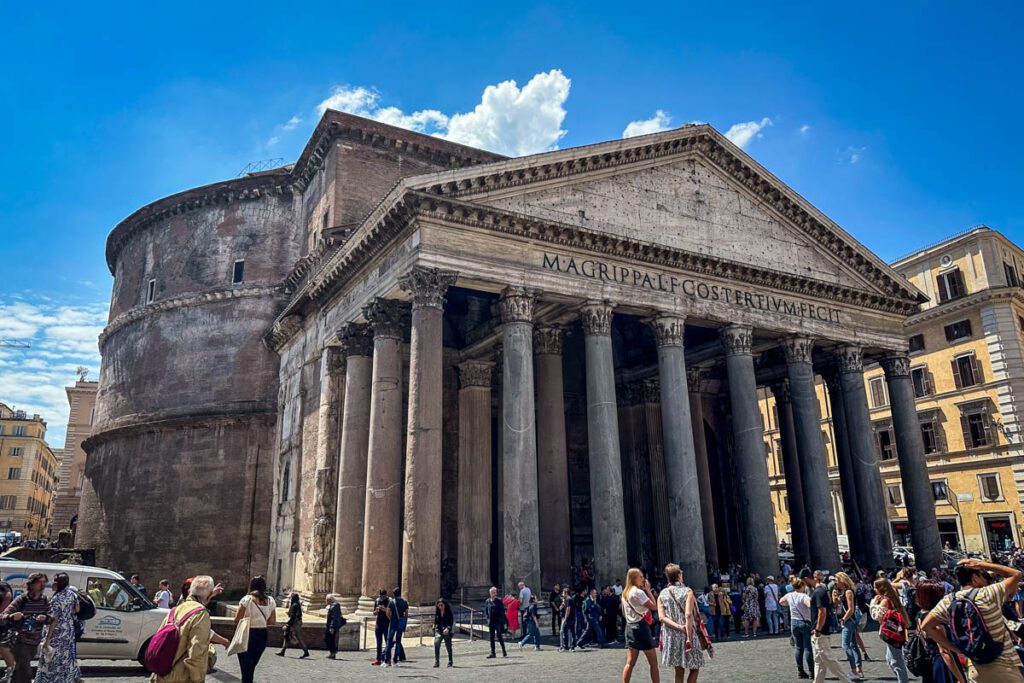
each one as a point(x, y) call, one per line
point(975, 620)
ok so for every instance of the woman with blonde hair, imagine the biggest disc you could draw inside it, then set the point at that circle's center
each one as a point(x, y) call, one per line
point(848, 614)
point(637, 603)
point(680, 620)
point(887, 599)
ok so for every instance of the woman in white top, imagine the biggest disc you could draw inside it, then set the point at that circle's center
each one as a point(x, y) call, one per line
point(799, 602)
point(637, 603)
point(261, 610)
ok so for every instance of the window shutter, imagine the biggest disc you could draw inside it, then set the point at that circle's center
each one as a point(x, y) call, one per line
point(965, 425)
point(956, 375)
point(990, 432)
point(943, 294)
point(978, 377)
point(961, 284)
point(892, 442)
point(940, 435)
point(929, 380)
point(878, 444)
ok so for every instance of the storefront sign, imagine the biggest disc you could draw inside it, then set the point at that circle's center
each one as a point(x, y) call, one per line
point(690, 287)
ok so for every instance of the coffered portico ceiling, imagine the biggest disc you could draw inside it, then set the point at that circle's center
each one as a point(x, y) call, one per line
point(685, 199)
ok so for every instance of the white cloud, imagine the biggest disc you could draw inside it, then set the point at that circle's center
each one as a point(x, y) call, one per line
point(657, 123)
point(508, 120)
point(804, 128)
point(292, 123)
point(742, 133)
point(854, 154)
point(63, 337)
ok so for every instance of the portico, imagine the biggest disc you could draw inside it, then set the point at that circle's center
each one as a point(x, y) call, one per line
point(580, 337)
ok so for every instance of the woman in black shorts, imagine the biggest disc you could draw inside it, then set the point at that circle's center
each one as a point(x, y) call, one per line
point(637, 604)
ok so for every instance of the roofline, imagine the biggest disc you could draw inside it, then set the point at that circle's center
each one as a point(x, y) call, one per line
point(945, 243)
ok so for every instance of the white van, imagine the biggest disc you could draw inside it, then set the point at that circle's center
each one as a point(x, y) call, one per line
point(125, 619)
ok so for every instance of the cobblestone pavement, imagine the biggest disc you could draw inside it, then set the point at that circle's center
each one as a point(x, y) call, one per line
point(760, 659)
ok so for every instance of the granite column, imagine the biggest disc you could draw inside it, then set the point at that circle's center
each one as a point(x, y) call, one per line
point(753, 489)
point(791, 470)
point(821, 524)
point(917, 490)
point(700, 450)
point(552, 458)
point(357, 347)
point(475, 478)
point(424, 473)
point(607, 511)
point(519, 440)
point(382, 529)
point(876, 544)
point(844, 460)
point(680, 456)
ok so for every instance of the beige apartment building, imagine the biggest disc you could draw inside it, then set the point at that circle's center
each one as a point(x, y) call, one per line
point(967, 366)
point(28, 474)
point(82, 401)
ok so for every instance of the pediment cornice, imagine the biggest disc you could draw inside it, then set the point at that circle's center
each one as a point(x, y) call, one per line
point(701, 140)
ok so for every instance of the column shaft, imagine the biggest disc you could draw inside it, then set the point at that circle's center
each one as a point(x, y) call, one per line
point(552, 459)
point(607, 512)
point(680, 456)
point(821, 524)
point(357, 345)
point(700, 449)
point(655, 440)
point(876, 544)
point(475, 477)
point(917, 490)
point(791, 466)
point(753, 488)
point(332, 388)
point(383, 509)
point(424, 471)
point(847, 477)
point(519, 441)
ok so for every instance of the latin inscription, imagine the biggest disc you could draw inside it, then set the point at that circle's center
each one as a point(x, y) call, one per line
point(691, 287)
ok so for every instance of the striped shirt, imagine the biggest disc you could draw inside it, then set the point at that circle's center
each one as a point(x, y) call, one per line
point(990, 601)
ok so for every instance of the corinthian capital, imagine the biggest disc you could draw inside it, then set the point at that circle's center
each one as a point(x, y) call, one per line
point(356, 339)
point(596, 317)
point(668, 329)
point(849, 359)
point(896, 365)
point(798, 349)
point(737, 339)
point(475, 373)
point(517, 304)
point(548, 340)
point(427, 285)
point(388, 317)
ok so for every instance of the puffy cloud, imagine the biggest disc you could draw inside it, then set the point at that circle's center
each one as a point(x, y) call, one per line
point(657, 123)
point(742, 133)
point(804, 128)
point(63, 337)
point(508, 120)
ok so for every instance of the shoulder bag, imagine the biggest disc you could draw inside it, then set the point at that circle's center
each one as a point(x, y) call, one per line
point(240, 640)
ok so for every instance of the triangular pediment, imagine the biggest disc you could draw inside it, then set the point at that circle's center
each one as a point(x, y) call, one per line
point(689, 189)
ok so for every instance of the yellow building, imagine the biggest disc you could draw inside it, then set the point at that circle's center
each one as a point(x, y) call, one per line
point(967, 355)
point(28, 474)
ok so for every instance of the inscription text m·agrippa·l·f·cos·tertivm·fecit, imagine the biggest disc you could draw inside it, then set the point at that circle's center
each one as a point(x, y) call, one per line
point(691, 287)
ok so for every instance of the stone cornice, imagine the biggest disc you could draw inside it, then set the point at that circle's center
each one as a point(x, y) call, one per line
point(275, 183)
point(336, 125)
point(709, 144)
point(965, 303)
point(186, 301)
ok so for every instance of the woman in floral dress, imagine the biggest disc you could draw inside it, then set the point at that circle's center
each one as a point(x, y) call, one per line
point(59, 660)
point(677, 612)
point(751, 609)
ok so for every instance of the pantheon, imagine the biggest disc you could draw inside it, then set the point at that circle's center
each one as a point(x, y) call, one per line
point(400, 361)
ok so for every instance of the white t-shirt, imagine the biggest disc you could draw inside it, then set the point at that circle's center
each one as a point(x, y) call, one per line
point(634, 605)
point(771, 597)
point(257, 613)
point(618, 590)
point(163, 598)
point(799, 605)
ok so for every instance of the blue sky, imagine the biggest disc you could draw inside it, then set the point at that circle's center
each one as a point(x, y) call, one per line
point(898, 120)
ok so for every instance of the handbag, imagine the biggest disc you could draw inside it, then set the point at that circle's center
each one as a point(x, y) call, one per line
point(240, 641)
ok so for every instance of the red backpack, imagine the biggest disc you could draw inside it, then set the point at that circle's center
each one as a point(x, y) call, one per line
point(163, 646)
point(892, 630)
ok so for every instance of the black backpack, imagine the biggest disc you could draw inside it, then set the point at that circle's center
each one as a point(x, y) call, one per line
point(916, 654)
point(969, 631)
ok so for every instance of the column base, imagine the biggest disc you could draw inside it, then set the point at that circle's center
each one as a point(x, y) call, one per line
point(312, 600)
point(364, 605)
point(349, 603)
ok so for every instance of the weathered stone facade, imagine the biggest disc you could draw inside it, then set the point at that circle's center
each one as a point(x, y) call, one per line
point(481, 373)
